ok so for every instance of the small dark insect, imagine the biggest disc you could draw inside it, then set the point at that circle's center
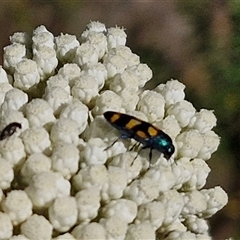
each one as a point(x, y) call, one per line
point(9, 130)
point(143, 132)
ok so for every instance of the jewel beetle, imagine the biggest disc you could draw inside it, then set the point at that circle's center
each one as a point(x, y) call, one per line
point(143, 132)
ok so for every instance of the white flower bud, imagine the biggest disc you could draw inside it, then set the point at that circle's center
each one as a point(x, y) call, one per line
point(6, 174)
point(22, 38)
point(143, 72)
point(66, 46)
point(126, 80)
point(121, 208)
point(93, 27)
point(163, 175)
point(26, 74)
point(12, 149)
point(172, 91)
point(189, 143)
point(195, 203)
point(130, 99)
point(4, 78)
point(58, 81)
point(199, 175)
point(183, 171)
point(152, 213)
point(45, 187)
point(215, 198)
point(18, 206)
point(115, 37)
point(173, 204)
point(106, 101)
point(14, 99)
point(89, 176)
point(42, 39)
point(117, 182)
point(92, 230)
point(70, 71)
point(98, 71)
point(65, 130)
point(183, 112)
point(170, 126)
point(125, 52)
point(65, 159)
point(41, 29)
point(35, 163)
point(196, 225)
point(120, 147)
point(88, 204)
point(140, 231)
point(39, 113)
point(13, 54)
point(115, 227)
point(6, 227)
point(37, 227)
point(4, 88)
point(56, 97)
point(204, 121)
point(98, 128)
point(63, 213)
point(128, 162)
point(85, 88)
point(176, 227)
point(114, 64)
point(96, 26)
point(78, 112)
point(152, 105)
point(86, 53)
point(211, 143)
point(99, 41)
point(141, 191)
point(93, 153)
point(46, 60)
point(36, 140)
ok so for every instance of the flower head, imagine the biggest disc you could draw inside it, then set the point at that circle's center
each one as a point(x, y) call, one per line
point(70, 162)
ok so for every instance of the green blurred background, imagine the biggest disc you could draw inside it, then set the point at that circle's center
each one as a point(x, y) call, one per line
point(195, 41)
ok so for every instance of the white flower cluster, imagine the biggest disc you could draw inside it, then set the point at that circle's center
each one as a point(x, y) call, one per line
point(58, 180)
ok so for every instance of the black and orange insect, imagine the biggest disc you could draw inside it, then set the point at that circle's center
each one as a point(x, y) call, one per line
point(9, 130)
point(143, 132)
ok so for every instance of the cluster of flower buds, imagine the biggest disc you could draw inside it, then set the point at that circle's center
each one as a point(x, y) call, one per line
point(59, 179)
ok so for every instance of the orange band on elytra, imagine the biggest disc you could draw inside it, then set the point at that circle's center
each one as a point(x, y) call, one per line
point(132, 123)
point(152, 131)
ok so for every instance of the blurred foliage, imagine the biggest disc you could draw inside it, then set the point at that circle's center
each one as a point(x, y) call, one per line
point(222, 54)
